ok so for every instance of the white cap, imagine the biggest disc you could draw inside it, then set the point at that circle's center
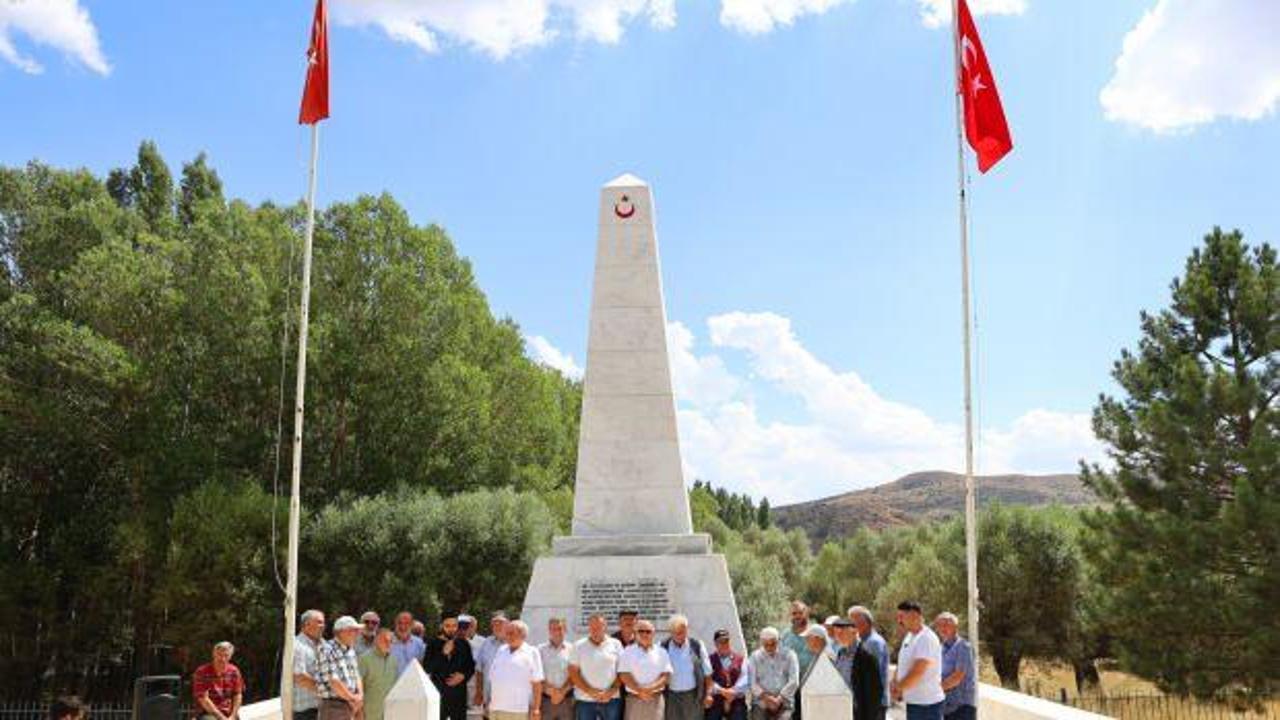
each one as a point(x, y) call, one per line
point(346, 622)
point(816, 631)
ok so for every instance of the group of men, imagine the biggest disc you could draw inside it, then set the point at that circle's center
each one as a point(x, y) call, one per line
point(934, 678)
point(629, 675)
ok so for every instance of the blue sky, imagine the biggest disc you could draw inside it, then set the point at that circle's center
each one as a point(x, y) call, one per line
point(802, 154)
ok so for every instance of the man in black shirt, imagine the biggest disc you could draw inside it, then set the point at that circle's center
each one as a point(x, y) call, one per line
point(626, 627)
point(450, 665)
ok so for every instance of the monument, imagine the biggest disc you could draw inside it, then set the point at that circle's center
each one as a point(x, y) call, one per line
point(633, 544)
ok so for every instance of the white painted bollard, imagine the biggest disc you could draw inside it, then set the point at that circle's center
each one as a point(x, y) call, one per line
point(825, 694)
point(413, 697)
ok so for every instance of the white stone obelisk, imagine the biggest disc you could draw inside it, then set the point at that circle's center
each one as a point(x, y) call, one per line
point(633, 545)
point(629, 480)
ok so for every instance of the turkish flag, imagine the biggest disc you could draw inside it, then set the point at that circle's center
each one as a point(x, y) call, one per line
point(315, 95)
point(984, 123)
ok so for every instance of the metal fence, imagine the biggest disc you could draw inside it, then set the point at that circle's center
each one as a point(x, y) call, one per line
point(1171, 707)
point(19, 710)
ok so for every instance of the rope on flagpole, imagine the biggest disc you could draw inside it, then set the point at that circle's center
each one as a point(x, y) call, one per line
point(275, 473)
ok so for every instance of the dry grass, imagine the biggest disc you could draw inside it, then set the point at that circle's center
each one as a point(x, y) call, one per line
point(1122, 695)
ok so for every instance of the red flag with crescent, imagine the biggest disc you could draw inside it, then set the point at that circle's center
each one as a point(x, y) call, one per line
point(984, 123)
point(315, 94)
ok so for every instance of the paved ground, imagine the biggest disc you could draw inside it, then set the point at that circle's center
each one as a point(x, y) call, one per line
point(895, 713)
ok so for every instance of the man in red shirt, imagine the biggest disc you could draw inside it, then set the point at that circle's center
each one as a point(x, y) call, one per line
point(218, 686)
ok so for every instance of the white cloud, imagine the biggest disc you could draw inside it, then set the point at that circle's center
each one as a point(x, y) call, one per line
point(702, 381)
point(547, 354)
point(849, 436)
point(501, 27)
point(761, 16)
point(1189, 62)
point(937, 13)
point(60, 24)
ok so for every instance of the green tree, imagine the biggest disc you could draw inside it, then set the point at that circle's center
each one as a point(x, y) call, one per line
point(218, 580)
point(151, 187)
point(788, 550)
point(759, 588)
point(763, 518)
point(1029, 583)
point(1188, 543)
point(141, 344)
point(200, 183)
point(420, 551)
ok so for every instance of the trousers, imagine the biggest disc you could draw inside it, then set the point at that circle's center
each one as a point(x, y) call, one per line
point(925, 712)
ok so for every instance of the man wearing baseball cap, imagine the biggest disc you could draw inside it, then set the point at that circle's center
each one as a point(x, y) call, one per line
point(338, 682)
point(731, 681)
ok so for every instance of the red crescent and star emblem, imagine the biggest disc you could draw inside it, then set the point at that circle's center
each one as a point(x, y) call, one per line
point(624, 208)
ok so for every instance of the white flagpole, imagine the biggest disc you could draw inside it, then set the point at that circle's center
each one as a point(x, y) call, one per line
point(970, 493)
point(291, 581)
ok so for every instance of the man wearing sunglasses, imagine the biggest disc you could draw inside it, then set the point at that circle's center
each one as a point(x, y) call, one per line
point(369, 623)
point(645, 669)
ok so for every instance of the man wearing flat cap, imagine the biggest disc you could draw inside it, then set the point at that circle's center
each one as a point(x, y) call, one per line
point(861, 672)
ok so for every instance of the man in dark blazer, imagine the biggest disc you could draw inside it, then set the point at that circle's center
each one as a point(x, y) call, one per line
point(861, 671)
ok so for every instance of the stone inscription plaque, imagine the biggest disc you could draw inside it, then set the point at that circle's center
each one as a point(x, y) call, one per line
point(651, 597)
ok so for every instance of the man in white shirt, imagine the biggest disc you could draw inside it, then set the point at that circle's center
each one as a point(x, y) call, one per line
point(645, 669)
point(593, 669)
point(557, 688)
point(918, 680)
point(515, 678)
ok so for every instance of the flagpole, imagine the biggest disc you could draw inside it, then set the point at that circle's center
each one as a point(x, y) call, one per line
point(970, 493)
point(291, 581)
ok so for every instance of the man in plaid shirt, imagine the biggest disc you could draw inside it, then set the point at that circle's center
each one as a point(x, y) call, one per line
point(218, 686)
point(340, 689)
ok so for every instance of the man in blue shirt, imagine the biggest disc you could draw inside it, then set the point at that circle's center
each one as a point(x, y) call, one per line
point(405, 646)
point(689, 689)
point(958, 679)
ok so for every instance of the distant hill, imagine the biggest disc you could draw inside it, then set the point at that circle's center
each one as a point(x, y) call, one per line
point(921, 497)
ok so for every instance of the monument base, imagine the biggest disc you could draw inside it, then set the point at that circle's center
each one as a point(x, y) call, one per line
point(597, 545)
point(657, 586)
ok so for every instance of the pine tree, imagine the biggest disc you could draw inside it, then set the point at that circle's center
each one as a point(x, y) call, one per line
point(1187, 546)
point(762, 514)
